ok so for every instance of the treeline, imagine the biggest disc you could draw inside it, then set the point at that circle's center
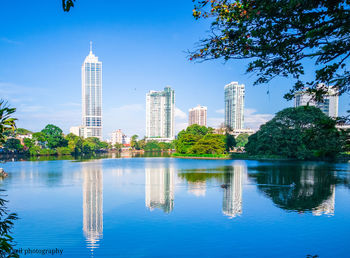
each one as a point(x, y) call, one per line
point(150, 145)
point(303, 133)
point(51, 141)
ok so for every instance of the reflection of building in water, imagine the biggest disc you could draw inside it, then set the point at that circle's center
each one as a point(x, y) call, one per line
point(232, 202)
point(160, 188)
point(92, 204)
point(327, 206)
point(197, 188)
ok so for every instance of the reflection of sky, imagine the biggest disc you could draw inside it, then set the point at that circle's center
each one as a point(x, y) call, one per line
point(48, 198)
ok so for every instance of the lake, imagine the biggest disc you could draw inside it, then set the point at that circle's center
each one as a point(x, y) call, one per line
point(166, 207)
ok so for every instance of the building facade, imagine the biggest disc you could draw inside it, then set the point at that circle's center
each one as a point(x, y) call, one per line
point(117, 137)
point(91, 78)
point(329, 106)
point(160, 115)
point(197, 115)
point(234, 105)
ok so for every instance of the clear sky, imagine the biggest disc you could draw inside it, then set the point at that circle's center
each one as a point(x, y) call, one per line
point(142, 45)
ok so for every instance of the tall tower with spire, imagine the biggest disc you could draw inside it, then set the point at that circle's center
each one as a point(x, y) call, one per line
point(91, 80)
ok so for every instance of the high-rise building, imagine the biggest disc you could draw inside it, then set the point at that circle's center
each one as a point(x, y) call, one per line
point(329, 106)
point(234, 105)
point(197, 115)
point(91, 78)
point(160, 108)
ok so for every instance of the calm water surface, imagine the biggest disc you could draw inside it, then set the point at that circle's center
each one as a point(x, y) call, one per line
point(165, 207)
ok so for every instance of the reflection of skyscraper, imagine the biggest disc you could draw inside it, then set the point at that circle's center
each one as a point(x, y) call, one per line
point(197, 188)
point(160, 188)
point(92, 204)
point(327, 206)
point(232, 202)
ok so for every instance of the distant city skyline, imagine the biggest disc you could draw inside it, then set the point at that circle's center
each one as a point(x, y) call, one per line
point(41, 62)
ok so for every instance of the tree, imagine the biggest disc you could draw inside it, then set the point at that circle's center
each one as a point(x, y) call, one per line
point(6, 224)
point(278, 36)
point(134, 142)
point(209, 144)
point(242, 139)
point(230, 142)
point(13, 144)
point(303, 133)
point(152, 146)
point(54, 136)
point(22, 131)
point(7, 122)
point(40, 139)
point(118, 146)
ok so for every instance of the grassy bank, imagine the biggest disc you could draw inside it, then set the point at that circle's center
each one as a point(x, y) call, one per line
point(202, 156)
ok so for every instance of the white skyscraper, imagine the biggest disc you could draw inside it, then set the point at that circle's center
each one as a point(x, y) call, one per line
point(197, 115)
point(234, 105)
point(329, 106)
point(160, 108)
point(91, 78)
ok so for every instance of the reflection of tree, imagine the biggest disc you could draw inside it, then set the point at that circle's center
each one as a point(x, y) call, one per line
point(297, 187)
point(92, 203)
point(160, 188)
point(231, 178)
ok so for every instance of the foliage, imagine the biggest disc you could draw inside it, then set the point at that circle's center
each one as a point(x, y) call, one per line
point(158, 146)
point(7, 122)
point(63, 150)
point(303, 133)
point(242, 139)
point(29, 143)
point(6, 224)
point(39, 139)
point(67, 4)
point(278, 36)
point(199, 140)
point(13, 144)
point(54, 136)
point(230, 142)
point(22, 131)
point(118, 146)
point(209, 144)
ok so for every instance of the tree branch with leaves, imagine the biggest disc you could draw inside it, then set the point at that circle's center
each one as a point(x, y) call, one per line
point(278, 36)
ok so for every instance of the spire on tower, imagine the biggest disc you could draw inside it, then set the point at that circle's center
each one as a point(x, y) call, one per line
point(90, 46)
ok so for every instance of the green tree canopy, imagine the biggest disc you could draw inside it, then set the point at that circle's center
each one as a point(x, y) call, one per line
point(54, 136)
point(209, 144)
point(13, 144)
point(304, 133)
point(242, 139)
point(278, 37)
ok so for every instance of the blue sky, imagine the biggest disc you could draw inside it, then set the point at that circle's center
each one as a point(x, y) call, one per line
point(142, 45)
